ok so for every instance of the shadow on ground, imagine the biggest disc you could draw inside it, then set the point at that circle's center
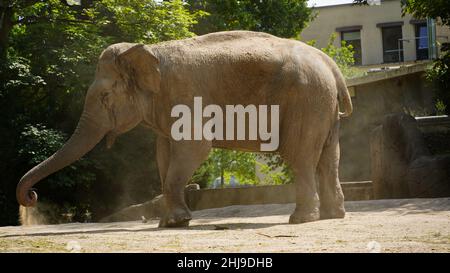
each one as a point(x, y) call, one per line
point(230, 218)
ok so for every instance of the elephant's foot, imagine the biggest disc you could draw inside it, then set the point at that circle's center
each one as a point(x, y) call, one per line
point(178, 217)
point(335, 212)
point(299, 217)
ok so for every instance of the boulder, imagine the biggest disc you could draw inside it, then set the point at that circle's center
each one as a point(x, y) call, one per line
point(149, 210)
point(402, 165)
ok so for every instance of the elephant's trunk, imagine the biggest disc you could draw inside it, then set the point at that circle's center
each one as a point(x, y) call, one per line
point(87, 134)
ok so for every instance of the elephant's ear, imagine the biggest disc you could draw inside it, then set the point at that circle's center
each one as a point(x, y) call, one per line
point(141, 67)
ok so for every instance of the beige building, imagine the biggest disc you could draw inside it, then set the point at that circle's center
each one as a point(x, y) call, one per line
point(379, 33)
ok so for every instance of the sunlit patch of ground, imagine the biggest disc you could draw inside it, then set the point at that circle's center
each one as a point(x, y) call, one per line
point(408, 225)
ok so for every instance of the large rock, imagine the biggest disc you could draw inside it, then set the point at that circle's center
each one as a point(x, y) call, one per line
point(429, 176)
point(149, 210)
point(402, 165)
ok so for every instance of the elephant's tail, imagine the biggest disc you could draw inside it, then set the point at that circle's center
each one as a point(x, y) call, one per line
point(343, 94)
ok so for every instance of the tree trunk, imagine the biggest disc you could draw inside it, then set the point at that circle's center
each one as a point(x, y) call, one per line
point(6, 25)
point(222, 179)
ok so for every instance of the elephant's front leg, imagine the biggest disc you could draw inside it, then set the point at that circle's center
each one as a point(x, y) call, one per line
point(162, 158)
point(185, 158)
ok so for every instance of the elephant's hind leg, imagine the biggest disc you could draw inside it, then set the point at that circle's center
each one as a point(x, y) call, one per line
point(303, 156)
point(185, 158)
point(330, 191)
point(307, 200)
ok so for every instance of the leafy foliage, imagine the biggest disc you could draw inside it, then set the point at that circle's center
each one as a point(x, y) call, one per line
point(274, 169)
point(47, 63)
point(428, 8)
point(224, 163)
point(343, 56)
point(148, 21)
point(439, 75)
point(72, 183)
point(440, 107)
point(283, 18)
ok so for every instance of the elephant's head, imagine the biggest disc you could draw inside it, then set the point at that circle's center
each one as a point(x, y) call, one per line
point(126, 80)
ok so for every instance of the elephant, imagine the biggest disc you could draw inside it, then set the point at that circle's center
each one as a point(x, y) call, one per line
point(138, 84)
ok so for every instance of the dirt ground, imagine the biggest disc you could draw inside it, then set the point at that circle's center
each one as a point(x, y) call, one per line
point(408, 225)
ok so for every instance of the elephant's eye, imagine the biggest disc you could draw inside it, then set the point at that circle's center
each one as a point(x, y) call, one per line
point(104, 97)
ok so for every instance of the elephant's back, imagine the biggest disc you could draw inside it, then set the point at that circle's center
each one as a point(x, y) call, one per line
point(219, 39)
point(243, 67)
point(229, 36)
point(228, 47)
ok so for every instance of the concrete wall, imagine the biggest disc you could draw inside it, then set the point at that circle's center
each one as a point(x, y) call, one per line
point(408, 93)
point(332, 17)
point(281, 194)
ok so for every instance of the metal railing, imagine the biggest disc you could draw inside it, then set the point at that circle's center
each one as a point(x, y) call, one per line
point(400, 46)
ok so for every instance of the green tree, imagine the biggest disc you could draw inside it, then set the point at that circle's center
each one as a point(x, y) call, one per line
point(147, 21)
point(343, 56)
point(72, 184)
point(439, 75)
point(224, 163)
point(428, 8)
point(275, 170)
point(49, 53)
point(283, 18)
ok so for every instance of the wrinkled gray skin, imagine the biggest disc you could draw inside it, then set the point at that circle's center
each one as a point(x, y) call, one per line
point(139, 84)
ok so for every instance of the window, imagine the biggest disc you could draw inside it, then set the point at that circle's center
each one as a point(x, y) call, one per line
point(353, 38)
point(392, 44)
point(421, 42)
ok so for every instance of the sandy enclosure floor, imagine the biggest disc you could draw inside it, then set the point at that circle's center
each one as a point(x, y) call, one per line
point(408, 225)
